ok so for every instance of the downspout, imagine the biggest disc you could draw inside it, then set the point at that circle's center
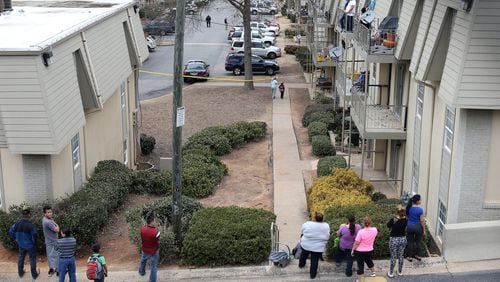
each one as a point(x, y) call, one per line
point(429, 153)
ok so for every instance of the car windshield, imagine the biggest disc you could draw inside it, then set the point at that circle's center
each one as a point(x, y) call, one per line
point(195, 66)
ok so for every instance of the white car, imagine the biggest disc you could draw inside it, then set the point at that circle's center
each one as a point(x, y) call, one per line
point(151, 42)
point(258, 48)
point(263, 26)
point(264, 32)
point(268, 40)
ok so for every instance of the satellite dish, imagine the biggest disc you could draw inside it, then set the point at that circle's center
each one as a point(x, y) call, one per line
point(335, 52)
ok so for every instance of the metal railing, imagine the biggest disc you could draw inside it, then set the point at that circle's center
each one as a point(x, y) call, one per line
point(341, 18)
point(372, 116)
point(373, 40)
point(340, 79)
point(275, 236)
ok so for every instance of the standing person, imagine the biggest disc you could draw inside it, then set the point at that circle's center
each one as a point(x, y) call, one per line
point(347, 233)
point(150, 237)
point(350, 10)
point(24, 232)
point(208, 19)
point(50, 231)
point(225, 22)
point(415, 229)
point(66, 247)
point(363, 248)
point(274, 84)
point(397, 240)
point(96, 248)
point(315, 235)
point(282, 89)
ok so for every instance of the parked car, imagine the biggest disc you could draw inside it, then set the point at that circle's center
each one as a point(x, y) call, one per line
point(196, 68)
point(265, 27)
point(261, 8)
point(258, 48)
point(159, 28)
point(151, 42)
point(268, 40)
point(191, 9)
point(235, 63)
point(264, 32)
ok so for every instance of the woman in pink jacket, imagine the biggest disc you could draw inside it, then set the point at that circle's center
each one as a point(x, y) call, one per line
point(363, 247)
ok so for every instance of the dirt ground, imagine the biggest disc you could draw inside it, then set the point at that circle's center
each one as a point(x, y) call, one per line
point(249, 182)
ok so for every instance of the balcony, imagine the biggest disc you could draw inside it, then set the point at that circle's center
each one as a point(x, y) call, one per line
point(376, 121)
point(321, 42)
point(377, 42)
point(346, 32)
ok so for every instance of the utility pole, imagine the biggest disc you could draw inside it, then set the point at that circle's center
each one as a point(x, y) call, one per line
point(178, 122)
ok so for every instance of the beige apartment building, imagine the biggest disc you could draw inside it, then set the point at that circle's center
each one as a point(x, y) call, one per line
point(68, 94)
point(428, 108)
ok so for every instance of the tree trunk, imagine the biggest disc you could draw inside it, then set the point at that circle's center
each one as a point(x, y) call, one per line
point(248, 85)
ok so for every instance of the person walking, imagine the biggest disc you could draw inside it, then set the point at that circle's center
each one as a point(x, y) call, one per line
point(282, 89)
point(24, 232)
point(96, 248)
point(208, 19)
point(274, 84)
point(350, 11)
point(150, 237)
point(415, 230)
point(50, 231)
point(363, 248)
point(66, 246)
point(397, 240)
point(315, 235)
point(225, 23)
point(347, 233)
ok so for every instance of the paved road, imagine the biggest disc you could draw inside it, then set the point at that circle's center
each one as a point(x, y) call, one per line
point(200, 42)
point(482, 276)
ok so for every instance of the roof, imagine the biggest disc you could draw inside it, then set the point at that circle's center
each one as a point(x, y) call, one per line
point(37, 24)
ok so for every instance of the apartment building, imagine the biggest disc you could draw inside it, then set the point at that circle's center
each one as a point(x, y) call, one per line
point(421, 81)
point(68, 94)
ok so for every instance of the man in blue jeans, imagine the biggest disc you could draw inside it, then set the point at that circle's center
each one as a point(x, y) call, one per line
point(150, 237)
point(25, 235)
point(66, 246)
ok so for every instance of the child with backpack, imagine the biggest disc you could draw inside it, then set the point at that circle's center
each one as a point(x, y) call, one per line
point(96, 265)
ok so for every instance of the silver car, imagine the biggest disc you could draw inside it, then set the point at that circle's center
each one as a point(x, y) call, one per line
point(258, 48)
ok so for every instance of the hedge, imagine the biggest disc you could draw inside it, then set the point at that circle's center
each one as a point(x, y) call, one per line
point(328, 165)
point(162, 209)
point(322, 146)
point(348, 179)
point(317, 128)
point(201, 173)
point(152, 182)
point(325, 117)
point(321, 197)
point(310, 109)
point(228, 236)
point(147, 143)
point(380, 215)
point(86, 211)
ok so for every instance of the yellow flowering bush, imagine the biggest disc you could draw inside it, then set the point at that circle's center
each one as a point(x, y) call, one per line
point(348, 179)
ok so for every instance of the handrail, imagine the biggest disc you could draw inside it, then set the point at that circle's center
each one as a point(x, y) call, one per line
point(275, 235)
point(375, 41)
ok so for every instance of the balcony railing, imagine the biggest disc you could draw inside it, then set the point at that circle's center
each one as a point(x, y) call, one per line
point(375, 41)
point(342, 23)
point(377, 121)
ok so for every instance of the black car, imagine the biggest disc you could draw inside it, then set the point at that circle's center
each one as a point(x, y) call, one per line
point(196, 68)
point(235, 63)
point(159, 28)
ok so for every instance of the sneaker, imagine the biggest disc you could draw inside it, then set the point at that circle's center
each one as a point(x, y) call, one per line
point(400, 272)
point(22, 274)
point(36, 275)
point(417, 258)
point(51, 272)
point(410, 259)
point(373, 274)
point(390, 274)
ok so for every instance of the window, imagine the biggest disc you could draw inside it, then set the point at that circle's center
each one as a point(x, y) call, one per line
point(414, 177)
point(420, 100)
point(441, 218)
point(449, 125)
point(123, 99)
point(75, 156)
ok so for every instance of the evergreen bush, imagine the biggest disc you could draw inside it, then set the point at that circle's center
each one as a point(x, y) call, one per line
point(153, 182)
point(148, 143)
point(228, 236)
point(325, 117)
point(322, 146)
point(328, 165)
point(201, 173)
point(317, 128)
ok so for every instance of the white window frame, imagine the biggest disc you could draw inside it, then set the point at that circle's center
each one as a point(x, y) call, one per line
point(449, 125)
point(420, 101)
point(75, 151)
point(414, 177)
point(441, 218)
point(123, 108)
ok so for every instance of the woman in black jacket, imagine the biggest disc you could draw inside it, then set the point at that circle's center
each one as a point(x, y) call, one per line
point(397, 240)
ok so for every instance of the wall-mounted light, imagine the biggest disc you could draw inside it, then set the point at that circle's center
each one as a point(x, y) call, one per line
point(47, 58)
point(467, 5)
point(136, 8)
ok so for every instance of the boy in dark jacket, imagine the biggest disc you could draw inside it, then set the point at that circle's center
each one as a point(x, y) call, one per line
point(25, 235)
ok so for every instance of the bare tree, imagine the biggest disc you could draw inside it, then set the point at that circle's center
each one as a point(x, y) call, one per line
point(243, 6)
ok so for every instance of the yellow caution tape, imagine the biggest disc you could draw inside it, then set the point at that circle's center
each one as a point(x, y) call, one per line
point(208, 78)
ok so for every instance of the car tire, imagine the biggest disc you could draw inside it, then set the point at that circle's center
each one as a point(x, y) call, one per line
point(236, 71)
point(269, 71)
point(163, 33)
point(271, 55)
point(272, 12)
point(254, 12)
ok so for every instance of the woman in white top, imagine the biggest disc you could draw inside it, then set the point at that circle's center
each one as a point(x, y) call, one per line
point(350, 10)
point(315, 235)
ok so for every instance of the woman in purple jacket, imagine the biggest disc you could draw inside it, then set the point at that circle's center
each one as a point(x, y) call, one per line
point(347, 233)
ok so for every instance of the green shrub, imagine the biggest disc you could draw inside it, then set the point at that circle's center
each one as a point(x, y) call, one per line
point(377, 196)
point(322, 146)
point(317, 128)
point(211, 138)
point(201, 173)
point(321, 99)
point(328, 165)
point(162, 209)
point(290, 49)
point(391, 201)
point(325, 117)
point(151, 181)
point(380, 215)
point(252, 131)
point(228, 236)
point(147, 144)
point(310, 109)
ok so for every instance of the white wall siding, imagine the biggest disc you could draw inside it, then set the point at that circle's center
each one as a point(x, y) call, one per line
point(108, 49)
point(406, 18)
point(135, 26)
point(382, 8)
point(480, 83)
point(422, 34)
